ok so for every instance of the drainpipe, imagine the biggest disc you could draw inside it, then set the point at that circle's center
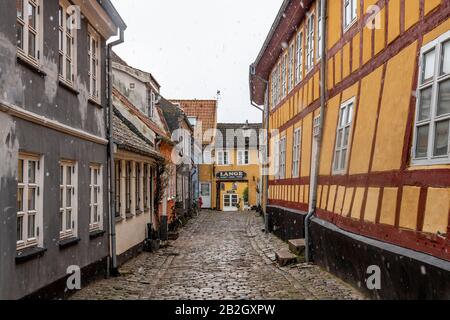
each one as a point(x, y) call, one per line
point(113, 270)
point(266, 113)
point(323, 91)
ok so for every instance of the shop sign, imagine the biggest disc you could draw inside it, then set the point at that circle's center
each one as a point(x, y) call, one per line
point(231, 175)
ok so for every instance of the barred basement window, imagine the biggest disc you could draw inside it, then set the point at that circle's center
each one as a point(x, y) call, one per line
point(29, 201)
point(68, 199)
point(67, 48)
point(343, 137)
point(310, 43)
point(94, 64)
point(432, 124)
point(96, 203)
point(299, 63)
point(296, 153)
point(28, 32)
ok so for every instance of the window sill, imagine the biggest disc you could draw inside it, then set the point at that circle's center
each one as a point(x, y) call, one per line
point(30, 65)
point(95, 102)
point(66, 243)
point(94, 234)
point(28, 254)
point(347, 28)
point(68, 87)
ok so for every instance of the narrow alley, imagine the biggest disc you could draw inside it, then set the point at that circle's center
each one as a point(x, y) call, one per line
point(219, 256)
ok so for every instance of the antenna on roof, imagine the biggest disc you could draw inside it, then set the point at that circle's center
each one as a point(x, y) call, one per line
point(218, 97)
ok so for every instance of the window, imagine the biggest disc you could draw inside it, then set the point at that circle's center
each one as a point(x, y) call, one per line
point(151, 98)
point(128, 187)
point(276, 158)
point(299, 65)
point(296, 153)
point(310, 43)
point(282, 158)
point(96, 195)
point(147, 181)
point(68, 200)
point(223, 158)
point(274, 89)
point(291, 68)
point(319, 30)
point(343, 137)
point(138, 186)
point(279, 75)
point(243, 157)
point(66, 63)
point(193, 121)
point(432, 133)
point(118, 184)
point(283, 76)
point(28, 31)
point(350, 12)
point(29, 207)
point(94, 64)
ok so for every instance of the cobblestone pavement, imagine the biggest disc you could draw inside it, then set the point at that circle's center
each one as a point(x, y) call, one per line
point(219, 256)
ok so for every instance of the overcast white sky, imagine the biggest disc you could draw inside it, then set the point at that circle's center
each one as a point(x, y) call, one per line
point(196, 47)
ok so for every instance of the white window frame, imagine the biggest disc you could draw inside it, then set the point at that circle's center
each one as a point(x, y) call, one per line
point(282, 170)
point(310, 29)
point(221, 158)
point(291, 67)
point(28, 239)
point(279, 85)
point(347, 23)
point(284, 75)
point(339, 164)
point(276, 158)
point(296, 153)
point(23, 23)
point(433, 84)
point(299, 60)
point(65, 231)
point(243, 157)
point(319, 31)
point(68, 56)
point(96, 197)
point(94, 58)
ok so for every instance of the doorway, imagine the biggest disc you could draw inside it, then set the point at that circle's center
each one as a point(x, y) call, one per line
point(230, 202)
point(205, 192)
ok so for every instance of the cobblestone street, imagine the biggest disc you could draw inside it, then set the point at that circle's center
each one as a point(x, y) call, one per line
point(219, 256)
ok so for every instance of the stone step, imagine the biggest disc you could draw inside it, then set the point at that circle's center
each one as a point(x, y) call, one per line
point(297, 246)
point(173, 236)
point(284, 257)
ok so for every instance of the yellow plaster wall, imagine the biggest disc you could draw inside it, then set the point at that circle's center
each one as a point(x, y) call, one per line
point(389, 206)
point(409, 208)
point(412, 12)
point(394, 110)
point(357, 203)
point(380, 33)
point(437, 210)
point(430, 5)
point(370, 213)
point(393, 20)
point(326, 157)
point(306, 146)
point(334, 23)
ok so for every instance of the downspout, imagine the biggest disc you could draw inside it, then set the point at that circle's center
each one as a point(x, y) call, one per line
point(266, 113)
point(113, 270)
point(323, 91)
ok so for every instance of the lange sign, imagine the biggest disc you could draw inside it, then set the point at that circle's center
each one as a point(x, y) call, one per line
point(231, 175)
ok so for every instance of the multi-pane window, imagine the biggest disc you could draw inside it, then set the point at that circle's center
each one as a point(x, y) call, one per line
point(117, 186)
point(291, 68)
point(343, 137)
point(283, 75)
point(128, 187)
point(67, 47)
point(296, 153)
point(150, 103)
point(95, 205)
point(350, 12)
point(276, 158)
point(94, 64)
point(310, 43)
point(68, 200)
point(243, 157)
point(223, 158)
point(282, 158)
point(319, 30)
point(432, 133)
point(138, 186)
point(274, 89)
point(299, 54)
point(29, 209)
point(146, 186)
point(27, 28)
point(279, 85)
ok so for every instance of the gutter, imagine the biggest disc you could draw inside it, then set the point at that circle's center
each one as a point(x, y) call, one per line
point(113, 270)
point(323, 92)
point(266, 112)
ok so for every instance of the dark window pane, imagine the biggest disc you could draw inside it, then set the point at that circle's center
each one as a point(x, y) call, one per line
point(441, 138)
point(422, 141)
point(444, 98)
point(425, 104)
